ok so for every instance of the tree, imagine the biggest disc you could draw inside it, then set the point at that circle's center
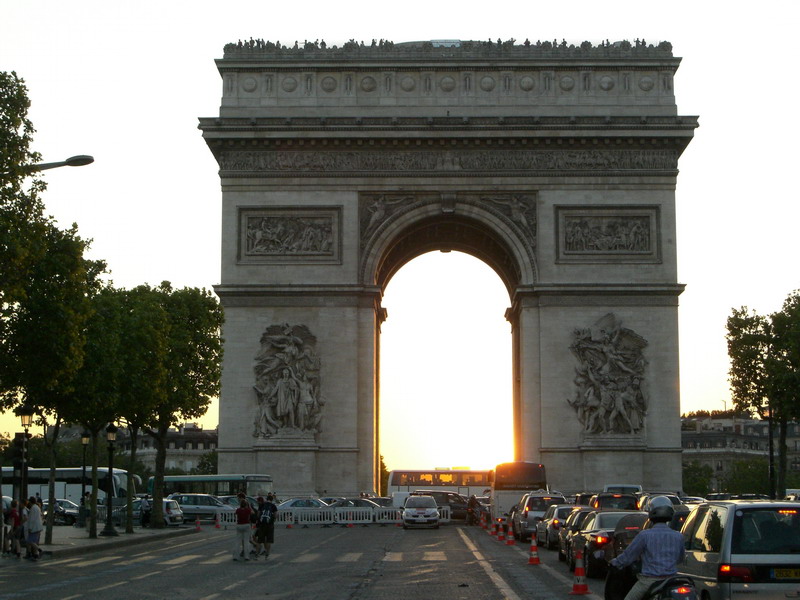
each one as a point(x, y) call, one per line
point(383, 484)
point(747, 477)
point(193, 368)
point(697, 478)
point(765, 372)
point(207, 465)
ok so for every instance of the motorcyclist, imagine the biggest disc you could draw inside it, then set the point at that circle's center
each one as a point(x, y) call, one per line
point(659, 548)
point(473, 509)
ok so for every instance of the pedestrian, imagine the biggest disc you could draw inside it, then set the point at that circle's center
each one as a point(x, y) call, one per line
point(240, 548)
point(35, 527)
point(15, 529)
point(265, 526)
point(145, 509)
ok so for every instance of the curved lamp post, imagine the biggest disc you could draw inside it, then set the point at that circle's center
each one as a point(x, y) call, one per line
point(111, 436)
point(73, 161)
point(25, 414)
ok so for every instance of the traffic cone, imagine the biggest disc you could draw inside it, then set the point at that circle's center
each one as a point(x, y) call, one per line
point(197, 524)
point(216, 521)
point(510, 539)
point(579, 587)
point(501, 534)
point(483, 521)
point(533, 558)
point(493, 530)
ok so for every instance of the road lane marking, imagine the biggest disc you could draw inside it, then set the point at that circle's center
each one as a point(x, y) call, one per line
point(393, 557)
point(304, 558)
point(350, 557)
point(500, 584)
point(216, 560)
point(96, 561)
point(434, 555)
point(108, 587)
point(560, 576)
point(181, 559)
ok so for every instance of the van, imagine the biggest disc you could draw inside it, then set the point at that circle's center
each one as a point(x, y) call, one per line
point(623, 488)
point(743, 547)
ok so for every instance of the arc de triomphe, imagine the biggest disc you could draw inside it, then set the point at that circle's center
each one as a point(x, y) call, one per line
point(554, 164)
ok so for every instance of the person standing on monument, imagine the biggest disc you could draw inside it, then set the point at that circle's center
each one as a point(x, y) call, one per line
point(286, 392)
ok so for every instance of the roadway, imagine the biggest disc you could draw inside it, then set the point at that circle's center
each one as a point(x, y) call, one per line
point(322, 563)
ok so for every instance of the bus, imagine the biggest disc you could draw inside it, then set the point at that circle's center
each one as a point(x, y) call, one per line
point(509, 481)
point(216, 485)
point(463, 481)
point(69, 482)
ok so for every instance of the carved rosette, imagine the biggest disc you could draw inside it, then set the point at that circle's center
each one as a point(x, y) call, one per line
point(610, 396)
point(287, 383)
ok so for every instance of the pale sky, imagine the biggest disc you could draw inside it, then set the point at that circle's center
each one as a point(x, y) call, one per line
point(127, 82)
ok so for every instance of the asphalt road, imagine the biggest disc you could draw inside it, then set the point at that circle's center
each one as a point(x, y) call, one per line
point(334, 563)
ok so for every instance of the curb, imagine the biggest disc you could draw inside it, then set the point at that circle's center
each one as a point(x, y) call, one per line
point(62, 550)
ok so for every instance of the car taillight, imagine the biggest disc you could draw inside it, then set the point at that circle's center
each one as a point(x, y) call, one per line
point(683, 590)
point(734, 574)
point(556, 524)
point(602, 539)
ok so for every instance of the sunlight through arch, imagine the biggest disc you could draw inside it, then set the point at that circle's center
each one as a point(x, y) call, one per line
point(446, 372)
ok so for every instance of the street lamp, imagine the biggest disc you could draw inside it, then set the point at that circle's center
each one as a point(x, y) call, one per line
point(85, 437)
point(25, 413)
point(111, 436)
point(73, 161)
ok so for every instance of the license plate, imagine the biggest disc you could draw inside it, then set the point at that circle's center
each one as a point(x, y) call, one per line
point(786, 573)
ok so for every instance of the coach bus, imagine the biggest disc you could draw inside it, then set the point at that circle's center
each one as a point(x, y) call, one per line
point(216, 485)
point(69, 482)
point(509, 481)
point(463, 481)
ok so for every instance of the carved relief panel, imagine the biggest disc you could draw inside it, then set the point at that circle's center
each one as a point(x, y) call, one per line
point(279, 235)
point(615, 234)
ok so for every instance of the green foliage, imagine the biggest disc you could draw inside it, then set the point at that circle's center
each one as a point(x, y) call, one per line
point(384, 479)
point(748, 477)
point(697, 478)
point(207, 464)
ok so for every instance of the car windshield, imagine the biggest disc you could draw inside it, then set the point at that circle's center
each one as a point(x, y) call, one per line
point(607, 521)
point(617, 501)
point(542, 502)
point(420, 502)
point(767, 530)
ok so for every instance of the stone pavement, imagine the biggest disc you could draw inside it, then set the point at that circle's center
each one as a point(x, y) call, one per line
point(69, 541)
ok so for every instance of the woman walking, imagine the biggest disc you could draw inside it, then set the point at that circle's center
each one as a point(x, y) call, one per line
point(242, 544)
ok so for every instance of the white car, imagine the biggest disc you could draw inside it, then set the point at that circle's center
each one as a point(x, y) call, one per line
point(420, 511)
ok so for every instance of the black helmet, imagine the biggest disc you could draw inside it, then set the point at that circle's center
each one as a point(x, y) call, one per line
point(661, 510)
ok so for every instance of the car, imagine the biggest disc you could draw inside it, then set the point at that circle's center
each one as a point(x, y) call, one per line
point(201, 506)
point(571, 526)
point(420, 511)
point(718, 496)
point(530, 510)
point(583, 498)
point(66, 511)
point(331, 499)
point(234, 501)
point(354, 503)
point(301, 503)
point(646, 498)
point(743, 547)
point(690, 500)
point(595, 533)
point(456, 502)
point(615, 501)
point(170, 508)
point(382, 501)
point(547, 529)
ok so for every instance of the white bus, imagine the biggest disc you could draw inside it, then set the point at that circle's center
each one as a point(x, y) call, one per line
point(463, 481)
point(69, 482)
point(251, 484)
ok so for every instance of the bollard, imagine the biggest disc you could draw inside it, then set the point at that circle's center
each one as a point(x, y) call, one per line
point(533, 558)
point(579, 587)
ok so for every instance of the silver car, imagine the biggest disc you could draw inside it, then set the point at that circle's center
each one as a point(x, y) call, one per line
point(738, 548)
point(530, 510)
point(201, 506)
point(548, 528)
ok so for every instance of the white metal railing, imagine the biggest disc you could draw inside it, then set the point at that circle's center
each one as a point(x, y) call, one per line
point(388, 515)
point(355, 515)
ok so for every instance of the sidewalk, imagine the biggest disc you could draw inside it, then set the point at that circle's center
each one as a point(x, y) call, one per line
point(69, 540)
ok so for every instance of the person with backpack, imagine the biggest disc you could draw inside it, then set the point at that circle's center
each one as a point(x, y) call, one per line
point(265, 526)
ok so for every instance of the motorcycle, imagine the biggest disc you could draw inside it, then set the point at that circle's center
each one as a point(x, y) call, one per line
point(620, 581)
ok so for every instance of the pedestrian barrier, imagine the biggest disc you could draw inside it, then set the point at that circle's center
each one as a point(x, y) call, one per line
point(388, 516)
point(314, 516)
point(227, 517)
point(533, 558)
point(579, 587)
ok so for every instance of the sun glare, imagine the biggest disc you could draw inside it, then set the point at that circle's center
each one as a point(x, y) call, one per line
point(445, 366)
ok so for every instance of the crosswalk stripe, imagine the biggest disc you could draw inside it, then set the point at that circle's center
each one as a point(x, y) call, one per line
point(350, 557)
point(434, 555)
point(96, 561)
point(217, 560)
point(182, 559)
point(304, 558)
point(393, 557)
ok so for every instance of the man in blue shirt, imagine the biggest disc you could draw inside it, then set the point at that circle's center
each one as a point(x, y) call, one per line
point(660, 549)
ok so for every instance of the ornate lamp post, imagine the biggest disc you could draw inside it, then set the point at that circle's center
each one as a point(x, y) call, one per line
point(25, 413)
point(82, 509)
point(111, 436)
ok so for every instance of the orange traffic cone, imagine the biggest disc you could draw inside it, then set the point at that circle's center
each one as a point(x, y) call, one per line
point(579, 588)
point(493, 530)
point(197, 524)
point(501, 534)
point(510, 539)
point(533, 559)
point(483, 521)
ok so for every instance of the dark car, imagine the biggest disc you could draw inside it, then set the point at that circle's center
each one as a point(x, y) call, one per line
point(571, 526)
point(614, 501)
point(595, 534)
point(583, 498)
point(456, 502)
point(530, 510)
point(548, 528)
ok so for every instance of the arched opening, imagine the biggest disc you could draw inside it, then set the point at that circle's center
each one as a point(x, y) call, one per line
point(446, 371)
